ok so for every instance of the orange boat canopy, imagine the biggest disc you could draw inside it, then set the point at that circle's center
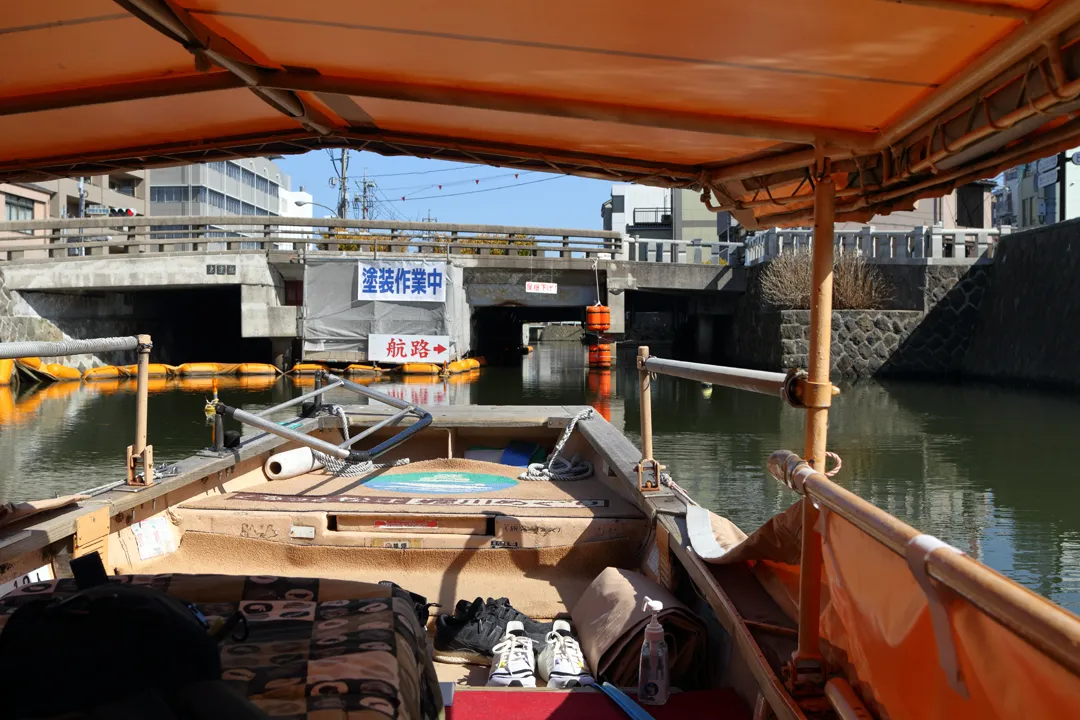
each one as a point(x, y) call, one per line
point(745, 102)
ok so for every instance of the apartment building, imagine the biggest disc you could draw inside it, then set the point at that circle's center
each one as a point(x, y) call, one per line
point(251, 186)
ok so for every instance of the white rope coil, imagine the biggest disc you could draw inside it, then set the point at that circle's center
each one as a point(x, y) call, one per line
point(557, 468)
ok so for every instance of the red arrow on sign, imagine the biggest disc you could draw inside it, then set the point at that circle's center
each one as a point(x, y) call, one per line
point(439, 349)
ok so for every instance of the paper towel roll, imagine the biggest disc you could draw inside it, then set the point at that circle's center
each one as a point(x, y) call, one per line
point(291, 463)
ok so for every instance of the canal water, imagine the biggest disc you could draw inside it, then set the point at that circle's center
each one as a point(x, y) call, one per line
point(984, 468)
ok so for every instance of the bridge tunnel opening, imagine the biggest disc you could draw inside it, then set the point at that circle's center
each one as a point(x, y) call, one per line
point(186, 324)
point(496, 332)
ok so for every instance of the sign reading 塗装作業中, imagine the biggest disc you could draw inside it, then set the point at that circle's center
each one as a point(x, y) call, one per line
point(402, 281)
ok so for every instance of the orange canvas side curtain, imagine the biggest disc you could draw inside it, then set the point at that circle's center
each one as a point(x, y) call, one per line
point(925, 631)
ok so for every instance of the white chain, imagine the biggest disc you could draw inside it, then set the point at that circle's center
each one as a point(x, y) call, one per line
point(557, 468)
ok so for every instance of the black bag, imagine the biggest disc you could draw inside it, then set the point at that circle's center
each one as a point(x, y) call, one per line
point(111, 649)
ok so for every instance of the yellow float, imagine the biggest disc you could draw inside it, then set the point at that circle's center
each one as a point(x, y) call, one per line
point(7, 372)
point(308, 368)
point(257, 369)
point(420, 369)
point(105, 372)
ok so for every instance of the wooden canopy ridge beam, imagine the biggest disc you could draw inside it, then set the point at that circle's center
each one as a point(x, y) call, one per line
point(664, 118)
point(120, 92)
point(147, 155)
point(177, 24)
point(975, 7)
point(417, 145)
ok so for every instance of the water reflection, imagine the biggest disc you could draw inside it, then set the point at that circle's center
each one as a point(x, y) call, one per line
point(983, 468)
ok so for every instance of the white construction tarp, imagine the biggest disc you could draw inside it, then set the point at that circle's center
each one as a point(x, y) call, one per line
point(337, 323)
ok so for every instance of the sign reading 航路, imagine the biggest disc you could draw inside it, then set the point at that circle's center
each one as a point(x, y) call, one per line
point(409, 348)
point(402, 281)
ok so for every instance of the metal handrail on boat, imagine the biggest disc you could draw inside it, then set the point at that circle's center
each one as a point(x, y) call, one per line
point(138, 453)
point(342, 451)
point(1048, 628)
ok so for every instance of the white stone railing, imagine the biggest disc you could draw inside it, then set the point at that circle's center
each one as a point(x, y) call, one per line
point(684, 252)
point(919, 245)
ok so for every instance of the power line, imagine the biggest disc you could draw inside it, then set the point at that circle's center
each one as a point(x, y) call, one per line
point(474, 192)
point(425, 172)
point(420, 188)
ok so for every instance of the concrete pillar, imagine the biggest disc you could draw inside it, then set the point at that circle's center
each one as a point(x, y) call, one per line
point(281, 352)
point(705, 336)
point(617, 303)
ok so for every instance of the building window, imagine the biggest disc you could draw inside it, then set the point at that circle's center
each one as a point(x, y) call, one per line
point(262, 184)
point(261, 211)
point(618, 203)
point(198, 194)
point(233, 171)
point(123, 185)
point(18, 208)
point(216, 199)
point(232, 205)
point(273, 189)
point(169, 193)
point(247, 209)
point(217, 166)
point(249, 178)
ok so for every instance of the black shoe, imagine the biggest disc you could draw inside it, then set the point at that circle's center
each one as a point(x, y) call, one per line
point(505, 612)
point(468, 635)
point(421, 607)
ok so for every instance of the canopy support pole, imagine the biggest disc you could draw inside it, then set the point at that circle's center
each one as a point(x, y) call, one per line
point(140, 453)
point(807, 663)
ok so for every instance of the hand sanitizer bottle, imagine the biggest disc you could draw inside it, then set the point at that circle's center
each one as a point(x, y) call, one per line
point(653, 683)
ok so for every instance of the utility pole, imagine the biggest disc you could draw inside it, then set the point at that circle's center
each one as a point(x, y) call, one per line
point(367, 197)
point(343, 188)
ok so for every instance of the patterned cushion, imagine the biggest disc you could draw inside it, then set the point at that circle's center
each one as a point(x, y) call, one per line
point(316, 649)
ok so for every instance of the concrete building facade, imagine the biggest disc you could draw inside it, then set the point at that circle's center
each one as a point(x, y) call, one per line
point(662, 214)
point(251, 186)
point(1039, 193)
point(118, 192)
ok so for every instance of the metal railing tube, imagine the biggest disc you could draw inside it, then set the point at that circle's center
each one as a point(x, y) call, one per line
point(759, 381)
point(299, 399)
point(373, 394)
point(401, 437)
point(1053, 631)
point(13, 350)
point(283, 432)
point(392, 420)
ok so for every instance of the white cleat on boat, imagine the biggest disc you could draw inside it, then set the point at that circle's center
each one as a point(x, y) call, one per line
point(562, 664)
point(513, 663)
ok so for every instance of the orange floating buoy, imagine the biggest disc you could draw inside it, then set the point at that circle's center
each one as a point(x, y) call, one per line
point(7, 372)
point(600, 355)
point(597, 318)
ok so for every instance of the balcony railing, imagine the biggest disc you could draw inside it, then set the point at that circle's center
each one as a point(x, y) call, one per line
point(919, 245)
point(652, 216)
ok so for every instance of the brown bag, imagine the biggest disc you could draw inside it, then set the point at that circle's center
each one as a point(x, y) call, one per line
point(610, 623)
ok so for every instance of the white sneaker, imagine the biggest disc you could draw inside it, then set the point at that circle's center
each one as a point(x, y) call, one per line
point(513, 663)
point(561, 661)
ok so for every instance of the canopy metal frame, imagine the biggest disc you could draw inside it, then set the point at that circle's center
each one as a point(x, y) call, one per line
point(1026, 85)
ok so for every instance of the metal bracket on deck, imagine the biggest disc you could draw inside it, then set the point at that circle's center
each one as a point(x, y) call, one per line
point(646, 483)
point(146, 459)
point(800, 393)
point(806, 676)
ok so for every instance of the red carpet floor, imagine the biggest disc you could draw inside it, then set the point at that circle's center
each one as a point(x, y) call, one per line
point(556, 705)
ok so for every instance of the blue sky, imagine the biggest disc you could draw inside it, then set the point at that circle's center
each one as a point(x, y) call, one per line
point(539, 199)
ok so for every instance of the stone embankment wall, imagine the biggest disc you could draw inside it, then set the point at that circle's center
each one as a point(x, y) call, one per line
point(1027, 330)
point(562, 333)
point(926, 332)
